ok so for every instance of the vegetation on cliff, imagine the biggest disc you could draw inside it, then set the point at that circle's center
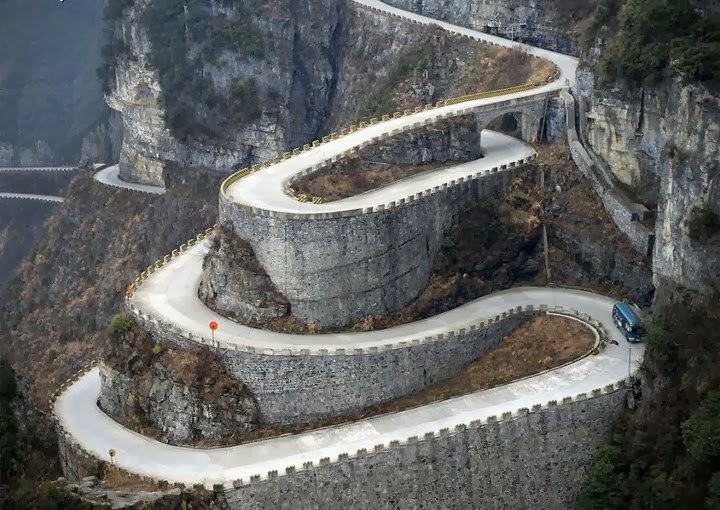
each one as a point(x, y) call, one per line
point(11, 444)
point(53, 315)
point(483, 68)
point(657, 38)
point(176, 395)
point(666, 455)
point(185, 36)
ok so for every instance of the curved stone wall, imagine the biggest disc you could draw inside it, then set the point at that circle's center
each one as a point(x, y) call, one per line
point(304, 386)
point(337, 268)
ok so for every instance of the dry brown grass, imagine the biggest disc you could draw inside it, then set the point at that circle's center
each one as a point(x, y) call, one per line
point(351, 178)
point(119, 479)
point(499, 68)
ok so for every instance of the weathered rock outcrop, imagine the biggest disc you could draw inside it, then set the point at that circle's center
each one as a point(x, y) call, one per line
point(178, 396)
point(235, 284)
point(103, 143)
point(324, 65)
point(663, 143)
point(293, 83)
point(544, 23)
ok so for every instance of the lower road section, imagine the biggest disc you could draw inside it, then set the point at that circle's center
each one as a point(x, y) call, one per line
point(87, 426)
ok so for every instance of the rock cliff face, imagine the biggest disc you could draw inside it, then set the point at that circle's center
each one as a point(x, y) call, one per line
point(293, 81)
point(235, 284)
point(323, 65)
point(176, 396)
point(545, 23)
point(662, 144)
point(103, 143)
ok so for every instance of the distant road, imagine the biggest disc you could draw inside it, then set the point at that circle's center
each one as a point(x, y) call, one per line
point(38, 168)
point(110, 176)
point(30, 196)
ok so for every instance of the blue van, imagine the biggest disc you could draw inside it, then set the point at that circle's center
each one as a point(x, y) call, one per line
point(628, 322)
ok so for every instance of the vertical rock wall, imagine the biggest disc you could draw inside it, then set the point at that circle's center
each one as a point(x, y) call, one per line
point(544, 23)
point(334, 271)
point(663, 144)
point(294, 79)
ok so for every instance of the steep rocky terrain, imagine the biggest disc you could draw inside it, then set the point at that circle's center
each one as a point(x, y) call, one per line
point(554, 24)
point(650, 110)
point(94, 245)
point(296, 73)
point(659, 136)
point(178, 396)
point(21, 221)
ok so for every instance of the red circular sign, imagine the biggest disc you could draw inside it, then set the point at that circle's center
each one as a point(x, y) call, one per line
point(213, 325)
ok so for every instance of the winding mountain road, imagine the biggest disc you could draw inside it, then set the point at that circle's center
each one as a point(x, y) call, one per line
point(169, 295)
point(97, 432)
point(110, 176)
point(32, 196)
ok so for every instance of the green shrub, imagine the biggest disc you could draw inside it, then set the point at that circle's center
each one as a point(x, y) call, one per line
point(666, 453)
point(114, 8)
point(176, 28)
point(712, 501)
point(238, 34)
point(661, 37)
point(703, 223)
point(121, 324)
point(380, 100)
point(11, 443)
point(701, 432)
point(243, 101)
point(603, 490)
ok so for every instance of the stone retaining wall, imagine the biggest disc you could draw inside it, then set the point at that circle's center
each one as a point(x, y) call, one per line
point(304, 386)
point(537, 458)
point(76, 463)
point(337, 270)
point(624, 213)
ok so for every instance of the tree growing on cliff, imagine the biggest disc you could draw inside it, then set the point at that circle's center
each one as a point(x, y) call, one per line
point(657, 38)
point(666, 455)
point(11, 444)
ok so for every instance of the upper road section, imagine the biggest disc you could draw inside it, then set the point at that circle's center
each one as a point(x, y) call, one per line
point(265, 189)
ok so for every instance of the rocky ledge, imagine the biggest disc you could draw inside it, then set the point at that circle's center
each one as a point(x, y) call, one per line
point(178, 396)
point(235, 285)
